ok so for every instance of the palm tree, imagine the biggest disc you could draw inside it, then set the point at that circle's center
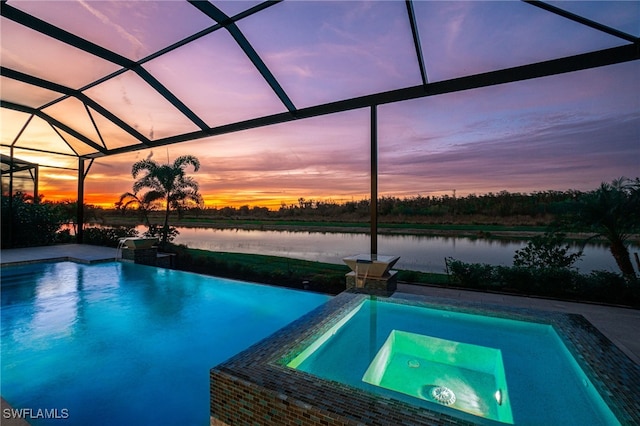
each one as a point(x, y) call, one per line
point(167, 183)
point(145, 206)
point(613, 211)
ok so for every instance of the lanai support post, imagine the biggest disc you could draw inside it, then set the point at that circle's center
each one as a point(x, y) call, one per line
point(36, 176)
point(9, 229)
point(374, 182)
point(80, 203)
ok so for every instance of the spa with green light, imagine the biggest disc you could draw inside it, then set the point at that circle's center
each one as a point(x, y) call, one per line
point(362, 359)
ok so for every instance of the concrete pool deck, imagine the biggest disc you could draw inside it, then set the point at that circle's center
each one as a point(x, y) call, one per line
point(620, 325)
point(82, 253)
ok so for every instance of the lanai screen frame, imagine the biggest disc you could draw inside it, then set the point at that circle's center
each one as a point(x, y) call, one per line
point(15, 165)
point(221, 21)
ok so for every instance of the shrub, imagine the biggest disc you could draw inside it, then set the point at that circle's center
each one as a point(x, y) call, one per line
point(546, 251)
point(156, 231)
point(564, 283)
point(471, 275)
point(108, 236)
point(553, 282)
point(64, 237)
point(29, 222)
point(610, 286)
point(516, 279)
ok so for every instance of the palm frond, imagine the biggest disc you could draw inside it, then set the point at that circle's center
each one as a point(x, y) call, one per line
point(149, 165)
point(152, 196)
point(184, 160)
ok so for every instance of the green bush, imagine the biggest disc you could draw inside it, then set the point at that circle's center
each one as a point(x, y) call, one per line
point(548, 250)
point(27, 222)
point(156, 231)
point(563, 283)
point(515, 279)
point(604, 285)
point(64, 237)
point(107, 236)
point(471, 275)
point(549, 282)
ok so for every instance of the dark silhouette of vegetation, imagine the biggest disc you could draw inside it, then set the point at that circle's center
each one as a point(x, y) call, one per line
point(502, 208)
point(167, 184)
point(496, 205)
point(69, 210)
point(537, 207)
point(143, 206)
point(613, 212)
point(546, 251)
point(543, 267)
point(108, 236)
point(561, 283)
point(30, 222)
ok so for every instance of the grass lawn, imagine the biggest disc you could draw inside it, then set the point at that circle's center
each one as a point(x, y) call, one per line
point(295, 273)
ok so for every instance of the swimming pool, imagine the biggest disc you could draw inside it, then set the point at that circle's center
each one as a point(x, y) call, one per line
point(557, 368)
point(118, 343)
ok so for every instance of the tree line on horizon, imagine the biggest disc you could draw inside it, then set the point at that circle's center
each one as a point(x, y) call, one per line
point(494, 204)
point(501, 204)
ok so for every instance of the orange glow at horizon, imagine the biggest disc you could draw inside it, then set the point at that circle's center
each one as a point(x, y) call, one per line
point(107, 201)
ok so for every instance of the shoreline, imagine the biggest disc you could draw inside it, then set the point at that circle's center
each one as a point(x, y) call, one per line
point(382, 230)
point(473, 231)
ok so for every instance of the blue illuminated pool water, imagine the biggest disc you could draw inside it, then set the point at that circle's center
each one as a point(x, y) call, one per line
point(545, 384)
point(118, 343)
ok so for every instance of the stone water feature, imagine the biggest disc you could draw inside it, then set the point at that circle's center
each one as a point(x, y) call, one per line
point(372, 273)
point(143, 251)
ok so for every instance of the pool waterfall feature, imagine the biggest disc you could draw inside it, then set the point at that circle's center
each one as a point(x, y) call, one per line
point(269, 384)
point(372, 273)
point(143, 251)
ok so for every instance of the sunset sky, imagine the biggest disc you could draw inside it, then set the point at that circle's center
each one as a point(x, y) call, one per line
point(569, 131)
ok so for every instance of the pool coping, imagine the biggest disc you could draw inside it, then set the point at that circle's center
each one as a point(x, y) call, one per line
point(256, 386)
point(79, 253)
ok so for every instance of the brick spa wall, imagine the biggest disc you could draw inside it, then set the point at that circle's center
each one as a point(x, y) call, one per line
point(149, 256)
point(256, 388)
point(142, 256)
point(385, 285)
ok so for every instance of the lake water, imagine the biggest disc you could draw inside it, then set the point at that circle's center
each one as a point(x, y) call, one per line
point(418, 253)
